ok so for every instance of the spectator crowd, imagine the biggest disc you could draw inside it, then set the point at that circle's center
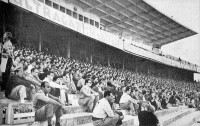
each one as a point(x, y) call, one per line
point(30, 75)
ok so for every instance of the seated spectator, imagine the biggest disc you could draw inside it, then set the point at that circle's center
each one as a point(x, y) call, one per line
point(128, 103)
point(173, 100)
point(97, 88)
point(197, 99)
point(69, 84)
point(111, 87)
point(17, 64)
point(76, 78)
point(31, 77)
point(88, 97)
point(31, 65)
point(147, 117)
point(80, 82)
point(103, 115)
point(17, 88)
point(46, 105)
point(164, 101)
point(55, 88)
point(191, 103)
point(63, 91)
point(116, 111)
point(119, 94)
point(155, 102)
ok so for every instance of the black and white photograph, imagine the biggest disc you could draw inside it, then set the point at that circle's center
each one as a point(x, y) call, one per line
point(99, 63)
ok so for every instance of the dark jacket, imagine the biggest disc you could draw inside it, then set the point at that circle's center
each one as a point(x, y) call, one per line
point(147, 119)
point(13, 82)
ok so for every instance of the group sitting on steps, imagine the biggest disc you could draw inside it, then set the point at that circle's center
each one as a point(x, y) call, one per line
point(47, 80)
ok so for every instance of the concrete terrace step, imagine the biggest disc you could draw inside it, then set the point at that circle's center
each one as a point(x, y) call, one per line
point(197, 123)
point(30, 124)
point(169, 118)
point(172, 117)
point(83, 118)
point(160, 112)
point(73, 98)
point(75, 119)
point(86, 118)
point(170, 110)
point(187, 120)
point(127, 121)
point(74, 109)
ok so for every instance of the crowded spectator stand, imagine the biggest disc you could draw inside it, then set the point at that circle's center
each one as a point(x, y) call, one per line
point(65, 76)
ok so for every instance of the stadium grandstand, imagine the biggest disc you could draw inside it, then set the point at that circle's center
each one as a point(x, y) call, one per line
point(62, 59)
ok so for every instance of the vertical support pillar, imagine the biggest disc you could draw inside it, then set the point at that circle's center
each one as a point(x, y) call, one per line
point(123, 61)
point(91, 58)
point(108, 54)
point(149, 68)
point(169, 73)
point(69, 49)
point(20, 34)
point(92, 54)
point(123, 54)
point(40, 41)
point(136, 68)
point(109, 60)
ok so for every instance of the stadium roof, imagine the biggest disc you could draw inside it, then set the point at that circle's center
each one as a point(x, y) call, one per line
point(135, 19)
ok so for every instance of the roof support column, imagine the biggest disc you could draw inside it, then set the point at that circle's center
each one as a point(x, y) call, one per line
point(40, 40)
point(68, 49)
point(108, 56)
point(91, 54)
point(123, 66)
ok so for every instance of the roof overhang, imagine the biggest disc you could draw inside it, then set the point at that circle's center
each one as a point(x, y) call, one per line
point(136, 20)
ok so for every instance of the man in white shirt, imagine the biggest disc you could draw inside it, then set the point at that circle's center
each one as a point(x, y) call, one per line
point(103, 115)
point(128, 103)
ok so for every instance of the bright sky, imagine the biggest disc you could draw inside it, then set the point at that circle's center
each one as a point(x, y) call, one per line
point(187, 13)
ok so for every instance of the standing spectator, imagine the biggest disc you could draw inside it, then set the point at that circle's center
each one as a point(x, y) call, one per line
point(6, 58)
